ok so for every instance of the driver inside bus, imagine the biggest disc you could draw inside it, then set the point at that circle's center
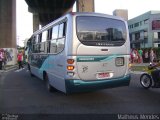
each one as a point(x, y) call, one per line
point(155, 73)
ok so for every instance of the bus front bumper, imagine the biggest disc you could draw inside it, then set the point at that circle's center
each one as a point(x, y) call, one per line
point(73, 86)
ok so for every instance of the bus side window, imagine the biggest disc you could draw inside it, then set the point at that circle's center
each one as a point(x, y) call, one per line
point(39, 37)
point(34, 40)
point(61, 37)
point(64, 29)
point(43, 42)
point(35, 48)
point(55, 32)
point(61, 27)
point(36, 43)
point(53, 44)
point(49, 35)
point(33, 44)
point(39, 43)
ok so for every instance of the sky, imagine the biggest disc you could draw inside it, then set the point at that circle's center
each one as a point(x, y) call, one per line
point(134, 7)
point(24, 22)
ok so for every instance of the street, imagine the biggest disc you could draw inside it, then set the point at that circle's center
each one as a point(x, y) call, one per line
point(22, 94)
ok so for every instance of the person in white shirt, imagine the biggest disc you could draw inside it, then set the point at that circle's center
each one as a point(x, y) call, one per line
point(151, 55)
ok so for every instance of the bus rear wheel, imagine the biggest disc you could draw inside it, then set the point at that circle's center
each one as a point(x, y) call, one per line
point(30, 71)
point(47, 83)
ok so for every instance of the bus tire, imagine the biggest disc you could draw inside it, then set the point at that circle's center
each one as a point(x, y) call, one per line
point(48, 86)
point(146, 81)
point(30, 71)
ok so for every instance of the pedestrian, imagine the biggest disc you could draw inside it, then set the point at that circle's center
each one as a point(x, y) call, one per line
point(131, 55)
point(140, 52)
point(135, 56)
point(146, 56)
point(151, 55)
point(20, 59)
point(1, 58)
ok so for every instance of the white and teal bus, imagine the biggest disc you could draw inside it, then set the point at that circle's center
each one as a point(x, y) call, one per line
point(81, 52)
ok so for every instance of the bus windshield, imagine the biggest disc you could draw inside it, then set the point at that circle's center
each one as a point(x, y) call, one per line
point(100, 31)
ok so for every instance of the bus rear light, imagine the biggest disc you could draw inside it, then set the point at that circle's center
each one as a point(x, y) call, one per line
point(129, 65)
point(70, 74)
point(70, 67)
point(70, 61)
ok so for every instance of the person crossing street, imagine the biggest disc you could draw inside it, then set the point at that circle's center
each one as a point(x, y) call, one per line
point(20, 59)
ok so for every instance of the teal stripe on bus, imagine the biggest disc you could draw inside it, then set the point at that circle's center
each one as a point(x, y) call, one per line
point(97, 58)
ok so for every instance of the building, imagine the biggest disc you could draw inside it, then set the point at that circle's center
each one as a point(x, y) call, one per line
point(121, 13)
point(145, 30)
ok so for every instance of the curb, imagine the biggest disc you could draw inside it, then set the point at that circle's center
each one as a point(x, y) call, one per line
point(136, 72)
point(7, 69)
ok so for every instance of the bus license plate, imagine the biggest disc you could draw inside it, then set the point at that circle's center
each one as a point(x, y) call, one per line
point(103, 75)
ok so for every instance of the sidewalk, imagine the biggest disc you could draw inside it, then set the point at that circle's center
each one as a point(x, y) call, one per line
point(140, 64)
point(138, 68)
point(9, 67)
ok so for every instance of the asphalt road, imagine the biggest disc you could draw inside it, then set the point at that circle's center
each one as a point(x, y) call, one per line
point(20, 93)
